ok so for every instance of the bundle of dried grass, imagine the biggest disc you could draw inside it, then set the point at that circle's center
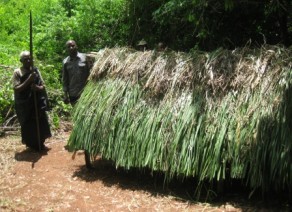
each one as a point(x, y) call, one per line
point(209, 115)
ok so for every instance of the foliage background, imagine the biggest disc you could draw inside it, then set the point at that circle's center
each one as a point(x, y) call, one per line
point(183, 25)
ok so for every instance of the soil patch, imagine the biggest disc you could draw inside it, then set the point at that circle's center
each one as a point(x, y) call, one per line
point(52, 181)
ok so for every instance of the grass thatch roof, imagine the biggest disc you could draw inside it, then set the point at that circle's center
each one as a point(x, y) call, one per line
point(211, 115)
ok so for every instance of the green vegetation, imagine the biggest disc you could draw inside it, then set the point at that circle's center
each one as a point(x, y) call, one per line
point(215, 116)
point(199, 118)
point(93, 24)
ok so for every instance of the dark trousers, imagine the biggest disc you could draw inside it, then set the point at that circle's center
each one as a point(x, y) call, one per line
point(73, 99)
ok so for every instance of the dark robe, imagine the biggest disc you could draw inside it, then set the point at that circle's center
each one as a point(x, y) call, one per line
point(27, 117)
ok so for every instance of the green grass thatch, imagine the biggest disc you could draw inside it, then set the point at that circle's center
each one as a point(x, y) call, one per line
point(208, 115)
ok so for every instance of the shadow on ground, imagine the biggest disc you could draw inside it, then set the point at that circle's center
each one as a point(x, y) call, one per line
point(30, 155)
point(180, 189)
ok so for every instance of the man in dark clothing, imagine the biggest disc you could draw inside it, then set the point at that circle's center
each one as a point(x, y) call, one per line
point(75, 72)
point(30, 95)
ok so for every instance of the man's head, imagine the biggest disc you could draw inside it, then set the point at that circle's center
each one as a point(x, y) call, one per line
point(25, 59)
point(71, 48)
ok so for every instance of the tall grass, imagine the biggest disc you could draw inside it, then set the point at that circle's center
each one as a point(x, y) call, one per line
point(220, 115)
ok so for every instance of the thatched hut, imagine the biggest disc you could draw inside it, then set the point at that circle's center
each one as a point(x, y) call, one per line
point(204, 114)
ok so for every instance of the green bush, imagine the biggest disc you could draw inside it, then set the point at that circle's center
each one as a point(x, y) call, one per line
point(6, 94)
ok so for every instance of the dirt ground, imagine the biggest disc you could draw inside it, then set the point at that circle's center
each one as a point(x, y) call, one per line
point(52, 181)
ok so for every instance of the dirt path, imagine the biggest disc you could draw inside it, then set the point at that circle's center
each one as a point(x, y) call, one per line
point(54, 182)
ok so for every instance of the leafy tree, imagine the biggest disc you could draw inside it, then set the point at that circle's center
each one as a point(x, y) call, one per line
point(209, 24)
point(69, 6)
point(101, 23)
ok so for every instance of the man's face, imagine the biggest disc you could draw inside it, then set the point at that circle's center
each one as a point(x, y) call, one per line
point(26, 61)
point(71, 48)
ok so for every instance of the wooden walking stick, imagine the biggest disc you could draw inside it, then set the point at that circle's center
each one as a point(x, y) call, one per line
point(34, 92)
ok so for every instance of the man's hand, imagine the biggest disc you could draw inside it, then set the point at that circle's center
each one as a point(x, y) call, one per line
point(31, 77)
point(37, 87)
